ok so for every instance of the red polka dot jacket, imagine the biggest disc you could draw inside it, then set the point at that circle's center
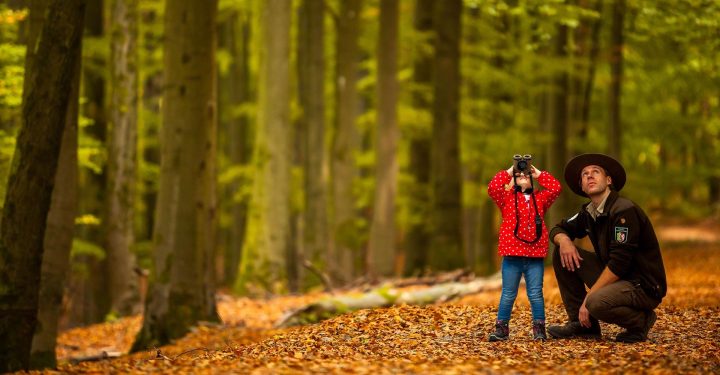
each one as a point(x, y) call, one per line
point(504, 197)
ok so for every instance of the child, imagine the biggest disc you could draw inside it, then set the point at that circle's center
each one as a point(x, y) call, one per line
point(523, 242)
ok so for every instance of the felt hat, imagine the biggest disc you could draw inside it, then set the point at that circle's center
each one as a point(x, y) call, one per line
point(612, 167)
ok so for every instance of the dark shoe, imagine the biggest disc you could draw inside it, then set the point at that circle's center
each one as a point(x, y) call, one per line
point(539, 330)
point(574, 329)
point(502, 331)
point(638, 334)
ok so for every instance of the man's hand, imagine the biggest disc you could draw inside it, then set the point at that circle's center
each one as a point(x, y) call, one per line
point(569, 256)
point(584, 316)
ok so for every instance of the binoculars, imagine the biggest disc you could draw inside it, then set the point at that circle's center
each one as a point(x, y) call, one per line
point(521, 164)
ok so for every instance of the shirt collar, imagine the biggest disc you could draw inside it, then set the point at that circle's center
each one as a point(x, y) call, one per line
point(597, 211)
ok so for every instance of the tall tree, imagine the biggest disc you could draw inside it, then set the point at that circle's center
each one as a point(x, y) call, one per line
point(61, 217)
point(182, 285)
point(311, 92)
point(446, 248)
point(587, 49)
point(266, 249)
point(557, 121)
point(345, 143)
point(238, 129)
point(418, 236)
point(616, 76)
point(91, 301)
point(479, 214)
point(122, 147)
point(30, 186)
point(381, 248)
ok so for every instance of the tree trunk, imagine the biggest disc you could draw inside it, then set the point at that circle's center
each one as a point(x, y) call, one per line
point(58, 240)
point(122, 146)
point(345, 143)
point(446, 218)
point(265, 250)
point(587, 37)
point(311, 93)
point(148, 123)
point(383, 297)
point(182, 288)
point(381, 248)
point(557, 119)
point(419, 233)
point(616, 76)
point(61, 218)
point(239, 133)
point(91, 301)
point(30, 185)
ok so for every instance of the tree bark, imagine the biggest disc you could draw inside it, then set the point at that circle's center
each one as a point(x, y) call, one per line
point(311, 93)
point(557, 123)
point(90, 299)
point(446, 218)
point(61, 217)
point(345, 144)
point(239, 132)
point(419, 232)
point(616, 76)
point(182, 287)
point(264, 255)
point(381, 248)
point(121, 171)
point(587, 37)
point(30, 185)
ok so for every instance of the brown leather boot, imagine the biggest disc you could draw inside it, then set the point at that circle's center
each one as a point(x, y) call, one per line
point(502, 331)
point(638, 334)
point(574, 330)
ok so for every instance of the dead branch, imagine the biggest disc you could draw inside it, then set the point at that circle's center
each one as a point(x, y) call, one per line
point(322, 275)
point(95, 357)
point(383, 297)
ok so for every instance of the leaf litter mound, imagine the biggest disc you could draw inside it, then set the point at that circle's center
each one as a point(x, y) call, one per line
point(443, 338)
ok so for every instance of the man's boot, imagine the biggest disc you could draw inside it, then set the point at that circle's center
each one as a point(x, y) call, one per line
point(638, 334)
point(502, 331)
point(539, 330)
point(575, 330)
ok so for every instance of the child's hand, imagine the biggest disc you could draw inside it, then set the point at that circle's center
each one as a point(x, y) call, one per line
point(535, 172)
point(510, 171)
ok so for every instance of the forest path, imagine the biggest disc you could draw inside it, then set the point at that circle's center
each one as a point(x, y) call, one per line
point(443, 338)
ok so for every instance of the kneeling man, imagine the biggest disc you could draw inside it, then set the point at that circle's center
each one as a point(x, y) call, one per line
point(625, 274)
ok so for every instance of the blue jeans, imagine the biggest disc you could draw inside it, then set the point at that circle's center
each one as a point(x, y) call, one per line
point(512, 269)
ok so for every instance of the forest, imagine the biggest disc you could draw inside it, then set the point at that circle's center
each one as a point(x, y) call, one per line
point(183, 171)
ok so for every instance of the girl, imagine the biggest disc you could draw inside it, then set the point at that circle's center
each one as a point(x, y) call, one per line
point(523, 242)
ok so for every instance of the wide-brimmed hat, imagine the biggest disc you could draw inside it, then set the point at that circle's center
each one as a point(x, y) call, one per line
point(612, 167)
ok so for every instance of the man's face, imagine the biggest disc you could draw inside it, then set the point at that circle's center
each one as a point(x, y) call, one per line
point(594, 180)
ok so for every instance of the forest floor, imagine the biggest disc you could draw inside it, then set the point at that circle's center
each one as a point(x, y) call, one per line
point(441, 338)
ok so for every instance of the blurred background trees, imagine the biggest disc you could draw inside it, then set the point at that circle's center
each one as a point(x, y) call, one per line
point(351, 138)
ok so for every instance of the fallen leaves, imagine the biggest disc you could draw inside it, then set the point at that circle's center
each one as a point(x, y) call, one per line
point(448, 338)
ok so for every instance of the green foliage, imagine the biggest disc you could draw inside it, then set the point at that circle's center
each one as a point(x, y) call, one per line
point(84, 249)
point(12, 59)
point(388, 293)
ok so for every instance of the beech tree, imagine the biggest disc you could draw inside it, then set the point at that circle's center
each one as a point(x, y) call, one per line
point(32, 177)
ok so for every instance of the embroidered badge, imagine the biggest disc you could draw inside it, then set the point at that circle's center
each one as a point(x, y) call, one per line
point(621, 234)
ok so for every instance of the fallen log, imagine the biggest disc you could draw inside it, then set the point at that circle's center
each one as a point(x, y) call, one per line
point(105, 354)
point(383, 297)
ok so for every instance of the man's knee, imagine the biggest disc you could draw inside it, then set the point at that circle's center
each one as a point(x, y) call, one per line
point(597, 304)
